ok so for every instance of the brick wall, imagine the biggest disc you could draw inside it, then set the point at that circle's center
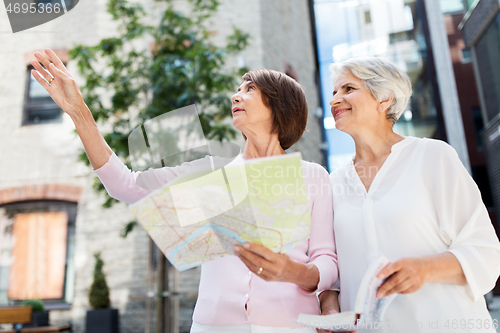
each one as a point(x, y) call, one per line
point(40, 192)
point(40, 162)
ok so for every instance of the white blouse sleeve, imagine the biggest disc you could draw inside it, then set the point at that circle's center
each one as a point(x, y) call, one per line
point(463, 219)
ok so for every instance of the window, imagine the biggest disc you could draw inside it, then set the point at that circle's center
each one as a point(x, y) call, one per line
point(368, 17)
point(487, 50)
point(466, 55)
point(39, 252)
point(39, 108)
point(478, 126)
point(469, 3)
point(451, 6)
point(37, 245)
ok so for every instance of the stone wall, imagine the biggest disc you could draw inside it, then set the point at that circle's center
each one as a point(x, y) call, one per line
point(42, 155)
point(287, 42)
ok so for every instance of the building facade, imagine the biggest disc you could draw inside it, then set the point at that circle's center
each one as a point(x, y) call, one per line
point(45, 187)
point(396, 30)
point(481, 32)
point(423, 38)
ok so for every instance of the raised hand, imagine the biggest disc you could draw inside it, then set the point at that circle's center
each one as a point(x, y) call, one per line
point(62, 87)
point(58, 81)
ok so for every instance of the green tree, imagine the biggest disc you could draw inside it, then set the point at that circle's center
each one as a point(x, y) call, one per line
point(99, 291)
point(181, 67)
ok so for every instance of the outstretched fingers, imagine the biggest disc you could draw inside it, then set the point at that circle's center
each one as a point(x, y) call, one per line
point(43, 60)
point(56, 60)
point(41, 71)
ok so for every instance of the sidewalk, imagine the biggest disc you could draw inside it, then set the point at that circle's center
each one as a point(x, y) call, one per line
point(495, 310)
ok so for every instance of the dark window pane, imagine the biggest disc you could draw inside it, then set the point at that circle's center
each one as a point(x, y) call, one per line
point(480, 175)
point(36, 116)
point(478, 126)
point(39, 107)
point(487, 51)
point(466, 55)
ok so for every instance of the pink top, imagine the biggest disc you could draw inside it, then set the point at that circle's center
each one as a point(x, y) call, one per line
point(229, 294)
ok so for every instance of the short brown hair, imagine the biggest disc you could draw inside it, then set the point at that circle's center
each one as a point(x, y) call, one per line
point(287, 101)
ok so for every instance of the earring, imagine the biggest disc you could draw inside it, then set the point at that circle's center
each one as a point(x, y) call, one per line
point(380, 108)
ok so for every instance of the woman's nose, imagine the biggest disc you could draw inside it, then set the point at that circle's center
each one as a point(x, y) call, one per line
point(336, 99)
point(235, 98)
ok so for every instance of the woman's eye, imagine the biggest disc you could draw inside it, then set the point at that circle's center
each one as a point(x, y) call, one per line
point(349, 89)
point(251, 88)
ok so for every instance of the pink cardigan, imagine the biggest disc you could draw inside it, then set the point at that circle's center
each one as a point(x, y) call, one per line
point(229, 294)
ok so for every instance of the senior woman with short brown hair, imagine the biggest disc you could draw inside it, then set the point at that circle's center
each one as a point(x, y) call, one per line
point(256, 290)
point(412, 201)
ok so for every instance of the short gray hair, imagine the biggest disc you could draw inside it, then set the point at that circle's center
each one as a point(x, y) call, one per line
point(382, 78)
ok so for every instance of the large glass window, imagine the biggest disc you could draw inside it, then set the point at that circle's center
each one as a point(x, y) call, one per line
point(487, 51)
point(451, 6)
point(469, 3)
point(392, 29)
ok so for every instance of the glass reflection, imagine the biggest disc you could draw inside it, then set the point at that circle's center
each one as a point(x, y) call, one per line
point(392, 29)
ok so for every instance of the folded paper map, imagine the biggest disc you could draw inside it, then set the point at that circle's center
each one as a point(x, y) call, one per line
point(368, 309)
point(200, 217)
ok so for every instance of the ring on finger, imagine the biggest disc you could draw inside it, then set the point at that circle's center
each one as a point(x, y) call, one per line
point(51, 79)
point(260, 270)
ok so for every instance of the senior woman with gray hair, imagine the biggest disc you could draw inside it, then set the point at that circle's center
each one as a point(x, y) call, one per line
point(412, 201)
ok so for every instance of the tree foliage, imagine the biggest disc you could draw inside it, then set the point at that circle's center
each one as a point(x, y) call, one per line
point(180, 67)
point(99, 291)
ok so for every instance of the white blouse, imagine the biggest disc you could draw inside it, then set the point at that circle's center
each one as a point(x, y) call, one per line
point(421, 202)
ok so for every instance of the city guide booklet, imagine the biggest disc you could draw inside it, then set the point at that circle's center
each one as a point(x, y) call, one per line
point(368, 309)
point(200, 217)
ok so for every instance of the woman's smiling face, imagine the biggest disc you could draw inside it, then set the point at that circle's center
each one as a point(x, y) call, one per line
point(352, 103)
point(249, 110)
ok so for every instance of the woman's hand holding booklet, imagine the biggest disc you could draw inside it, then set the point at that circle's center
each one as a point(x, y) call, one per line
point(368, 309)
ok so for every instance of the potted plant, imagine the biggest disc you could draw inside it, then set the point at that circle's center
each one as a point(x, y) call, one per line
point(39, 317)
point(102, 319)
